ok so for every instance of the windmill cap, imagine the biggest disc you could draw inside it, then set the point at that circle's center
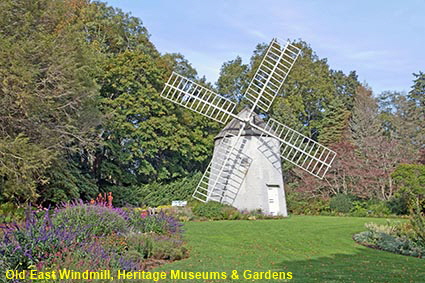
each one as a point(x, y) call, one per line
point(233, 127)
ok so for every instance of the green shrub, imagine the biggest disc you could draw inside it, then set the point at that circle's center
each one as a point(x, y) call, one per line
point(379, 208)
point(169, 249)
point(300, 205)
point(391, 237)
point(140, 243)
point(360, 209)
point(399, 204)
point(158, 223)
point(417, 220)
point(211, 210)
point(341, 203)
point(410, 179)
point(156, 194)
point(126, 196)
point(11, 213)
point(98, 220)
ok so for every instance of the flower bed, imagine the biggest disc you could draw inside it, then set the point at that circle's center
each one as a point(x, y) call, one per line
point(82, 236)
point(398, 237)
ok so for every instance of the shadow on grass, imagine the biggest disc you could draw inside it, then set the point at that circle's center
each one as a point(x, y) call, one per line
point(364, 265)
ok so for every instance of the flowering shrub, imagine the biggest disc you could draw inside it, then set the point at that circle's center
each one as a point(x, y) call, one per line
point(99, 220)
point(80, 236)
point(393, 237)
point(157, 223)
point(38, 239)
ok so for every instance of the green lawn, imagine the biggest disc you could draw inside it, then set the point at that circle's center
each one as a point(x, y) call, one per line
point(313, 248)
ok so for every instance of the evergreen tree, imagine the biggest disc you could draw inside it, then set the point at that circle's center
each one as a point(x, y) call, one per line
point(47, 93)
point(417, 97)
point(334, 123)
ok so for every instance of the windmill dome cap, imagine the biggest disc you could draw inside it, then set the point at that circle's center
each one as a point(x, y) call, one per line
point(233, 127)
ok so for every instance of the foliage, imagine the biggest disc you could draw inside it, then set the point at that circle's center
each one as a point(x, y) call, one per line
point(68, 240)
point(417, 220)
point(410, 178)
point(156, 194)
point(366, 156)
point(146, 138)
point(334, 123)
point(22, 166)
point(399, 204)
point(344, 177)
point(341, 203)
point(9, 212)
point(302, 204)
point(168, 249)
point(97, 220)
point(67, 180)
point(47, 93)
point(233, 80)
point(157, 223)
point(38, 239)
point(391, 237)
point(213, 210)
point(417, 112)
point(210, 210)
point(181, 213)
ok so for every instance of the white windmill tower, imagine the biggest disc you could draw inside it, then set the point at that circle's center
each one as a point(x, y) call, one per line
point(245, 170)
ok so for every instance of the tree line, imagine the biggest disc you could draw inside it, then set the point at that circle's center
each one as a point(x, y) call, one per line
point(81, 113)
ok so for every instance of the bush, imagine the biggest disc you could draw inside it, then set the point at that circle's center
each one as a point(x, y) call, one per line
point(98, 220)
point(156, 194)
point(410, 179)
point(10, 213)
point(126, 196)
point(341, 203)
point(300, 205)
point(37, 240)
point(417, 220)
point(212, 210)
point(399, 204)
point(392, 237)
point(169, 249)
point(379, 208)
point(158, 223)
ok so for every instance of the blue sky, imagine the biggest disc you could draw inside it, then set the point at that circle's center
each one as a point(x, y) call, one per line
point(382, 40)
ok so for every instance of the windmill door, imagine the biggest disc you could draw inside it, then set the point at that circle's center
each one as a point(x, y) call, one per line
point(273, 198)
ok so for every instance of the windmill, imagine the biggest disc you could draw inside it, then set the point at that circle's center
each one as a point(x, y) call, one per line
point(237, 174)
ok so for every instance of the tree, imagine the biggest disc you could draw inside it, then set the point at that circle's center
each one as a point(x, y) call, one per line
point(344, 177)
point(146, 138)
point(364, 122)
point(417, 97)
point(180, 65)
point(47, 93)
point(380, 153)
point(410, 180)
point(111, 31)
point(400, 119)
point(233, 80)
point(334, 123)
point(345, 87)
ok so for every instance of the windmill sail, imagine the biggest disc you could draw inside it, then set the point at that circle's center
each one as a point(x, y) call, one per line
point(197, 98)
point(237, 175)
point(270, 75)
point(300, 150)
point(225, 173)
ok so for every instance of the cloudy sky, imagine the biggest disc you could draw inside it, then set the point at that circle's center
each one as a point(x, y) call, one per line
point(383, 40)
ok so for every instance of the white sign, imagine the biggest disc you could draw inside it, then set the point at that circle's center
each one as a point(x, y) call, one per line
point(178, 203)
